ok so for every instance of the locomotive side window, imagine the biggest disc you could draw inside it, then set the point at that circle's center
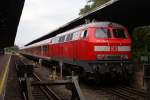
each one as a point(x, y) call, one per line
point(84, 34)
point(102, 33)
point(119, 33)
point(76, 36)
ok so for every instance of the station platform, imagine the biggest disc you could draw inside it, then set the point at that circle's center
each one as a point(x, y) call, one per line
point(4, 69)
point(9, 85)
point(13, 91)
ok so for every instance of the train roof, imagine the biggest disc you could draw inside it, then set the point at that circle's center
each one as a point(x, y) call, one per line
point(44, 42)
point(81, 27)
point(92, 24)
point(104, 24)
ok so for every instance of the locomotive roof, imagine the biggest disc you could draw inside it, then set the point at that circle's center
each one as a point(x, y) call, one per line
point(104, 24)
point(93, 24)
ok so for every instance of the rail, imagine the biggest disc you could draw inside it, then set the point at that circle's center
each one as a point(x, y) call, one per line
point(127, 93)
point(76, 92)
point(25, 74)
point(49, 91)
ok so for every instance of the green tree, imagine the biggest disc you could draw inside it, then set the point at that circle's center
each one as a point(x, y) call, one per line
point(141, 41)
point(12, 49)
point(92, 4)
point(85, 9)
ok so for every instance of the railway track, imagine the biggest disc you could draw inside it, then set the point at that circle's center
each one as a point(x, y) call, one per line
point(121, 92)
point(39, 92)
point(47, 91)
point(127, 93)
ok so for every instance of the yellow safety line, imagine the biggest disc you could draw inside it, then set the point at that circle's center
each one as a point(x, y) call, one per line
point(4, 76)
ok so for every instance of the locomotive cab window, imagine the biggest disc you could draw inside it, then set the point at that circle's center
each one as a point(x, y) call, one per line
point(102, 33)
point(119, 33)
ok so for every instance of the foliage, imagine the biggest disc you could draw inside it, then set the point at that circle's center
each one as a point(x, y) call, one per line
point(12, 49)
point(85, 9)
point(141, 41)
point(92, 4)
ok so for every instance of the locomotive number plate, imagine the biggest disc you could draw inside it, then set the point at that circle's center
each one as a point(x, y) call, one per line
point(114, 48)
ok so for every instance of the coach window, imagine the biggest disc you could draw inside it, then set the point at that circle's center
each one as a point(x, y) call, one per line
point(84, 34)
point(71, 36)
point(68, 37)
point(56, 40)
point(45, 48)
point(76, 36)
point(53, 40)
point(63, 38)
point(60, 39)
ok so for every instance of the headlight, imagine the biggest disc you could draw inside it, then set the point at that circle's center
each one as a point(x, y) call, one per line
point(100, 57)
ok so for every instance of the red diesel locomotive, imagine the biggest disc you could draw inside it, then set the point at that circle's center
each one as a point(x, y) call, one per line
point(96, 49)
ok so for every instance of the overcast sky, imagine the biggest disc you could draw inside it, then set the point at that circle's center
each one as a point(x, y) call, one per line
point(42, 16)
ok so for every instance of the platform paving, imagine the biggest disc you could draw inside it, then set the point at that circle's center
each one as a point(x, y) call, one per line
point(4, 68)
point(12, 86)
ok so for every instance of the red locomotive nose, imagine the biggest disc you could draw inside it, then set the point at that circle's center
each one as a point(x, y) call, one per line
point(111, 43)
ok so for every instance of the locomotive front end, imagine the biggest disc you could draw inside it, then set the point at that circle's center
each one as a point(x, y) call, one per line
point(111, 45)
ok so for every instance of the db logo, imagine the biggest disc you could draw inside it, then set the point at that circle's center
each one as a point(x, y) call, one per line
point(114, 48)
